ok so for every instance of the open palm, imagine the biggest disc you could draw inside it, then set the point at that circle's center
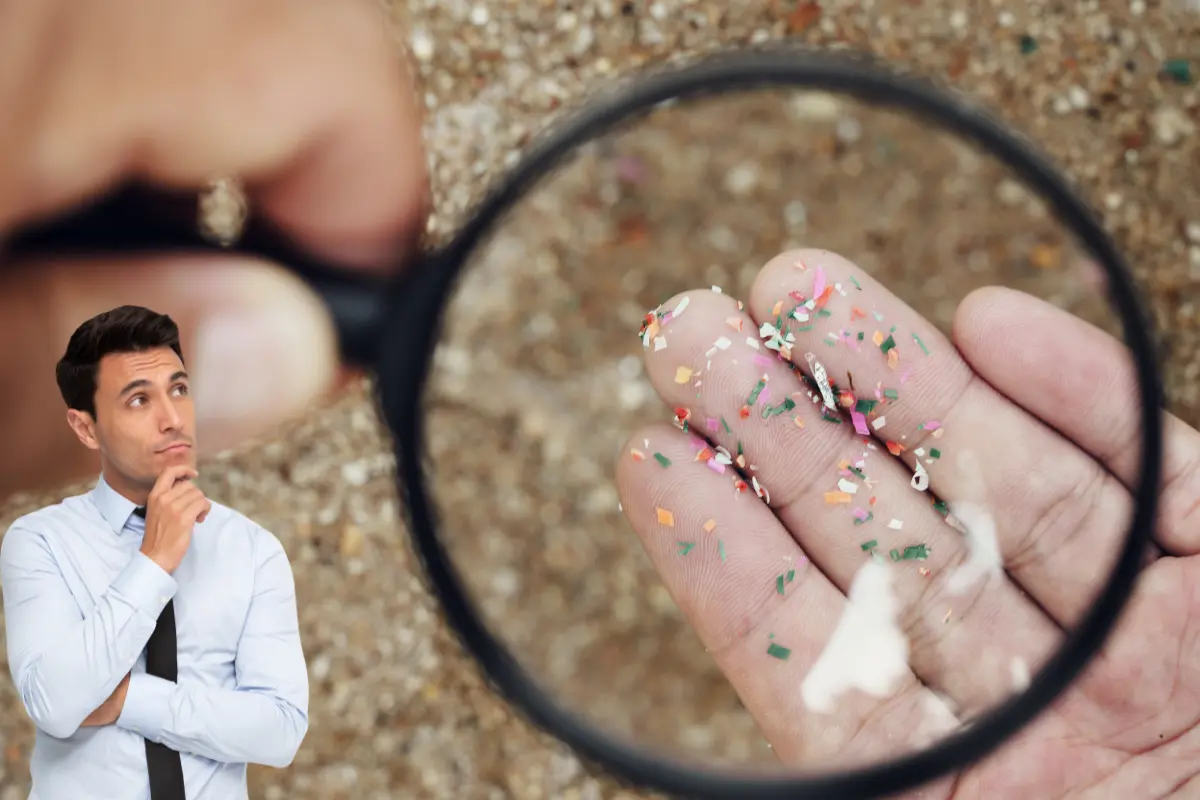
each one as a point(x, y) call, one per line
point(968, 497)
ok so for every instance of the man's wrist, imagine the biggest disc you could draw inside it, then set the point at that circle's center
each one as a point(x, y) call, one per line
point(147, 705)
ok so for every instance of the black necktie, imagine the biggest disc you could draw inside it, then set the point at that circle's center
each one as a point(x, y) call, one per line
point(166, 769)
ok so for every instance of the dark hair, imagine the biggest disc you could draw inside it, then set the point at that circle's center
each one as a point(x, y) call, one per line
point(127, 329)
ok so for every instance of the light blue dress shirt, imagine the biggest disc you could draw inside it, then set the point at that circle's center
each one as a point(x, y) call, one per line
point(80, 603)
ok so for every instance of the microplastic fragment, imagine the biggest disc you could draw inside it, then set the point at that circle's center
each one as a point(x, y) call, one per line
point(917, 552)
point(935, 453)
point(849, 487)
point(777, 651)
point(860, 423)
point(771, 411)
point(891, 394)
point(920, 478)
point(685, 547)
point(868, 546)
point(758, 387)
point(721, 548)
point(716, 289)
point(683, 374)
point(663, 461)
point(864, 520)
point(660, 343)
point(638, 455)
point(837, 498)
point(819, 282)
point(665, 517)
point(710, 526)
point(854, 280)
point(878, 422)
point(725, 425)
point(722, 343)
point(734, 322)
point(920, 344)
point(896, 524)
point(779, 584)
point(822, 380)
point(679, 308)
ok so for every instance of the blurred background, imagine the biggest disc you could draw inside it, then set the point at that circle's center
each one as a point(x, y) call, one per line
point(692, 199)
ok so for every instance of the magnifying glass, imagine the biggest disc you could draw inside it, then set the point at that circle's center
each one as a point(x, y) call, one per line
point(660, 187)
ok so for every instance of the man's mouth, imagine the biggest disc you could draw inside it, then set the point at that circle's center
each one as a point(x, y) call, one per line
point(174, 448)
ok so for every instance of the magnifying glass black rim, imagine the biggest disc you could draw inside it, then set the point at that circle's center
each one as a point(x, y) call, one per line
point(404, 370)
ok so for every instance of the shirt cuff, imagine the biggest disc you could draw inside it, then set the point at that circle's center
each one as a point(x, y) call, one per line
point(147, 708)
point(146, 585)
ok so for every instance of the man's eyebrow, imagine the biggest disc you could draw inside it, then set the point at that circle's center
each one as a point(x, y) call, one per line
point(140, 383)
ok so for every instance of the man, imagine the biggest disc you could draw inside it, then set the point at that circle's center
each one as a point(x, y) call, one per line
point(103, 591)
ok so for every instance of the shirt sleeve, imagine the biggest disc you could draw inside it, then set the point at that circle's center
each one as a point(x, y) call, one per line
point(265, 718)
point(64, 662)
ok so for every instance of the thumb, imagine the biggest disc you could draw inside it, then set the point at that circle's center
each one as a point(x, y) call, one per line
point(258, 344)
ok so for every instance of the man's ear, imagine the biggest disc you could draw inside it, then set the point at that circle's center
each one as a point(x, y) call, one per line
point(84, 426)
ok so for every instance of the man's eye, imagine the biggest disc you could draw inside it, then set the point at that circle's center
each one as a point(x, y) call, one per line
point(137, 400)
point(181, 389)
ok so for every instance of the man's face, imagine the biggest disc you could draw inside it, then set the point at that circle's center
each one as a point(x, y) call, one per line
point(145, 420)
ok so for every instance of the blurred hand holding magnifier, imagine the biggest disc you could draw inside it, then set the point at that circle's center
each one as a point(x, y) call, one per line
point(850, 515)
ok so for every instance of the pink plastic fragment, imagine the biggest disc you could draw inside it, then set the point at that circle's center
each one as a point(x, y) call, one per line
point(860, 423)
point(712, 424)
point(819, 282)
point(716, 466)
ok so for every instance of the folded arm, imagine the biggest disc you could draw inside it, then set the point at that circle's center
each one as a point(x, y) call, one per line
point(65, 663)
point(265, 718)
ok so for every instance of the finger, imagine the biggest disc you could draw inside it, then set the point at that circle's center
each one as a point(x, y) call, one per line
point(258, 346)
point(195, 509)
point(1022, 346)
point(182, 493)
point(169, 478)
point(843, 497)
point(1059, 515)
point(311, 104)
point(768, 616)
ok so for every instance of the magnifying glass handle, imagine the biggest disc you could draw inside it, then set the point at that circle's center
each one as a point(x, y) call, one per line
point(134, 221)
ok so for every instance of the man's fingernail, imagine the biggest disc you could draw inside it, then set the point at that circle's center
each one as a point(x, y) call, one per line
point(257, 367)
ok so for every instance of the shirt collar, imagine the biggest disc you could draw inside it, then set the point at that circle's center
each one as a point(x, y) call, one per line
point(114, 507)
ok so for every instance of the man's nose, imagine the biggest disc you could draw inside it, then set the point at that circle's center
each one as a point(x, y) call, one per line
point(170, 418)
